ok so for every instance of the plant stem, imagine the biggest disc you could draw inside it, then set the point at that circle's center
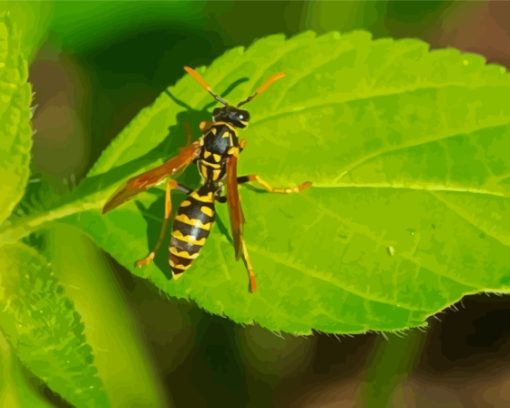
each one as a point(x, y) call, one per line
point(390, 363)
point(13, 232)
point(121, 357)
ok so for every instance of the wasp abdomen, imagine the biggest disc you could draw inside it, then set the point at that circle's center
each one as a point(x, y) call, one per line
point(191, 228)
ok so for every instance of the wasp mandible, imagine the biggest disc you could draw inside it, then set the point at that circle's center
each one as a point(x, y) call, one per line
point(216, 153)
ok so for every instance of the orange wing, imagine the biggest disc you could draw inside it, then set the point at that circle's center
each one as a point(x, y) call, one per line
point(234, 205)
point(152, 177)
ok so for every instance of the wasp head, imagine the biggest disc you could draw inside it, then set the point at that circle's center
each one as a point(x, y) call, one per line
point(231, 114)
point(228, 113)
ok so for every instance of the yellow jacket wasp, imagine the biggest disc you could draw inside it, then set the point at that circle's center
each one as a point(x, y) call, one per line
point(216, 154)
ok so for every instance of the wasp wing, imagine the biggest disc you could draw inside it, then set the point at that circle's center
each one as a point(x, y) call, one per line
point(234, 205)
point(150, 178)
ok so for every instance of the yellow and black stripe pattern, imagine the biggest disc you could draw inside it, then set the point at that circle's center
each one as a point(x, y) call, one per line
point(191, 227)
point(195, 216)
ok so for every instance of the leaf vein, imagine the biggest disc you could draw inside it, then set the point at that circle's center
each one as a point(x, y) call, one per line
point(359, 162)
point(358, 98)
point(316, 275)
point(378, 240)
point(466, 217)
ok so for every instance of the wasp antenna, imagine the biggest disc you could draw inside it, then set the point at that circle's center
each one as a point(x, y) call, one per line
point(263, 87)
point(197, 77)
point(273, 78)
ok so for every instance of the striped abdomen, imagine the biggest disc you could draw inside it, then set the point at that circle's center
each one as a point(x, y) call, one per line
point(191, 228)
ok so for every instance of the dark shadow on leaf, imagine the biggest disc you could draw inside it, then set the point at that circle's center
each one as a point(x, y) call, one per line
point(178, 101)
point(222, 227)
point(251, 187)
point(153, 216)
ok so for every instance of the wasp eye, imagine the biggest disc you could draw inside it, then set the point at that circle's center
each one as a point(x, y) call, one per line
point(244, 115)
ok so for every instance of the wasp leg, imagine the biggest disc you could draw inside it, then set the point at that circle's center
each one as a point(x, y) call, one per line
point(249, 267)
point(269, 188)
point(172, 184)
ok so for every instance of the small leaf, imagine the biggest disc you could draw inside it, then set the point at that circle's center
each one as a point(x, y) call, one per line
point(15, 130)
point(44, 329)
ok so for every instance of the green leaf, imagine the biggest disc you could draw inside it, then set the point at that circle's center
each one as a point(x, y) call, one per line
point(16, 389)
point(121, 376)
point(15, 130)
point(408, 152)
point(36, 16)
point(44, 329)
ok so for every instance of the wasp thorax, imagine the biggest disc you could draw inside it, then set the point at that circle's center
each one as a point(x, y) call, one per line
point(237, 117)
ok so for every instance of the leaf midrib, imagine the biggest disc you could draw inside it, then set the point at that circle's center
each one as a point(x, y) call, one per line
point(28, 224)
point(417, 186)
point(11, 232)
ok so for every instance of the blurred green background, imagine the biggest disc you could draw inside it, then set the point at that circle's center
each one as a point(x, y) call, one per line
point(94, 65)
